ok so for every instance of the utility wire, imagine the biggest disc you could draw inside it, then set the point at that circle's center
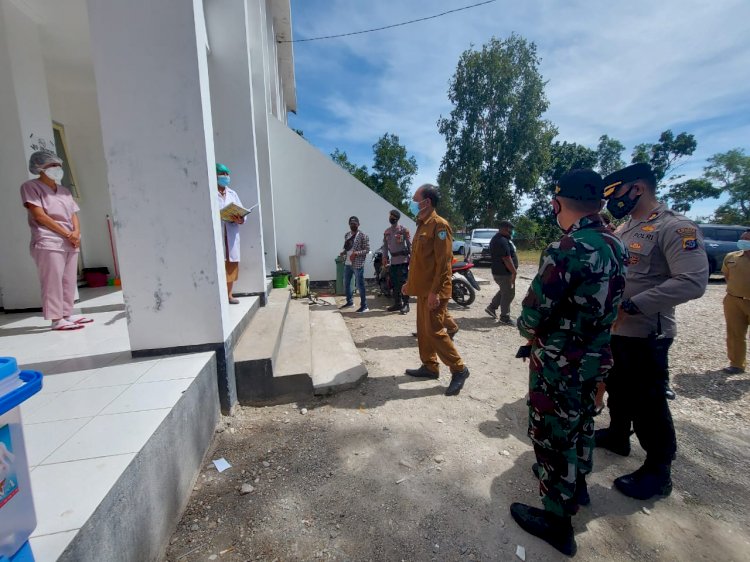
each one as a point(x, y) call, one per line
point(387, 26)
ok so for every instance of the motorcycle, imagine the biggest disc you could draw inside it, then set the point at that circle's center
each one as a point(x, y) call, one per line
point(464, 283)
point(382, 275)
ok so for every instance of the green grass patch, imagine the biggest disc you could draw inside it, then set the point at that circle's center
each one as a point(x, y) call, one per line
point(529, 257)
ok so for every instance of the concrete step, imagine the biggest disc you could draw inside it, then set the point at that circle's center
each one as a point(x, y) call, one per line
point(336, 363)
point(295, 351)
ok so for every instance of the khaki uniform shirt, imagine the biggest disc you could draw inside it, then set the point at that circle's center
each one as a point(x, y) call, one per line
point(736, 269)
point(431, 258)
point(667, 266)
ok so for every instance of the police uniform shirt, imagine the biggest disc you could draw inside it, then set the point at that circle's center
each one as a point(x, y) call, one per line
point(667, 266)
point(736, 269)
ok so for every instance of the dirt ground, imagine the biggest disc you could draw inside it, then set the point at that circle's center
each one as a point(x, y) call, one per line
point(395, 470)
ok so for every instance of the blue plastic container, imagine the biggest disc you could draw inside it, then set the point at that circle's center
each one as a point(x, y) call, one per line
point(17, 517)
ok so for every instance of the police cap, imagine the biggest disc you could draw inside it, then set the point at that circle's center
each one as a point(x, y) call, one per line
point(581, 184)
point(634, 172)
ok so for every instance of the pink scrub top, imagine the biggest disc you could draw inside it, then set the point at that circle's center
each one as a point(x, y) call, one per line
point(58, 205)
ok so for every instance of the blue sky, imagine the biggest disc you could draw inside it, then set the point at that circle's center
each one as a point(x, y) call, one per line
point(626, 69)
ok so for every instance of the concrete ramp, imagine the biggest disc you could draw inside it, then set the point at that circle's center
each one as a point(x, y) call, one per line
point(336, 362)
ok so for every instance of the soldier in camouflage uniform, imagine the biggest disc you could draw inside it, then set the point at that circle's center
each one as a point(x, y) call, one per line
point(567, 315)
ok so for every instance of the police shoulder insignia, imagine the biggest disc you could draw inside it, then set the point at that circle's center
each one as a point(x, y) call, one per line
point(648, 228)
point(442, 234)
point(687, 232)
point(689, 243)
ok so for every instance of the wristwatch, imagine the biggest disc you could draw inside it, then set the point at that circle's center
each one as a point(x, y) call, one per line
point(629, 307)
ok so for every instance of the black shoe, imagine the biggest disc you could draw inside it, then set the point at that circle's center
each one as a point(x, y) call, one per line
point(405, 309)
point(394, 308)
point(362, 309)
point(733, 370)
point(582, 490)
point(491, 312)
point(457, 382)
point(422, 372)
point(452, 335)
point(549, 527)
point(606, 440)
point(346, 305)
point(645, 483)
point(670, 394)
point(507, 321)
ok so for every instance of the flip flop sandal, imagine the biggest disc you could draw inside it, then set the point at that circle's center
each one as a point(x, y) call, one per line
point(65, 325)
point(78, 319)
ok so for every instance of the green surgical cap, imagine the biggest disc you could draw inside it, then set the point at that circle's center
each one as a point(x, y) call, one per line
point(222, 169)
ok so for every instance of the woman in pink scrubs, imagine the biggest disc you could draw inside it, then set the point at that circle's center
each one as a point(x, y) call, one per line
point(55, 239)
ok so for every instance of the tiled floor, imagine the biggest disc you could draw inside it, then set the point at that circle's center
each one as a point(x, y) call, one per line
point(97, 409)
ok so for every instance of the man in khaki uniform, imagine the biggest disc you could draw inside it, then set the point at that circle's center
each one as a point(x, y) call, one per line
point(667, 267)
point(736, 270)
point(430, 281)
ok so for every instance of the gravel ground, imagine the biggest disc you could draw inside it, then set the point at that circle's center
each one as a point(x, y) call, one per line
point(394, 470)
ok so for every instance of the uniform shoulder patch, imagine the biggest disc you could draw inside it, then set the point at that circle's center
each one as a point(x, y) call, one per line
point(689, 243)
point(442, 234)
point(687, 231)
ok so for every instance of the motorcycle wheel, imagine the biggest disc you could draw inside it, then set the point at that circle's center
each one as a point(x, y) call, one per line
point(463, 293)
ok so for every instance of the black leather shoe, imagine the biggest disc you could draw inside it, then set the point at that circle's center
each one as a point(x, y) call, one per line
point(422, 372)
point(549, 527)
point(394, 308)
point(604, 438)
point(457, 382)
point(645, 483)
point(507, 321)
point(452, 335)
point(405, 308)
point(670, 394)
point(582, 491)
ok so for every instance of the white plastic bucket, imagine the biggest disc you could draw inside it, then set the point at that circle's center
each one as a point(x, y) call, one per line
point(17, 517)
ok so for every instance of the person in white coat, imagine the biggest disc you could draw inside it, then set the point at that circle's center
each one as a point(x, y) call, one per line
point(230, 229)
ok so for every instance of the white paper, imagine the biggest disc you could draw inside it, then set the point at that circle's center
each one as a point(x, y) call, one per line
point(521, 552)
point(221, 464)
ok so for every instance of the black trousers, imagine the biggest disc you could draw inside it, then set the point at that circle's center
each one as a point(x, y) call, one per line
point(637, 387)
point(398, 278)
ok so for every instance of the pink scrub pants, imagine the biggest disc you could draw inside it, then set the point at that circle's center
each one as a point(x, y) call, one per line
point(58, 272)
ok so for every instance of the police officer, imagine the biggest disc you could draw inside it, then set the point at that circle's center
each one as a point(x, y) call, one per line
point(397, 246)
point(566, 316)
point(430, 281)
point(667, 266)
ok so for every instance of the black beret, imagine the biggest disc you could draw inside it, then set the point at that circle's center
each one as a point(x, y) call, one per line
point(353, 219)
point(634, 172)
point(581, 184)
point(395, 213)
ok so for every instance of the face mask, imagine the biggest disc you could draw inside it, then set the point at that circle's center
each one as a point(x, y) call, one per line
point(224, 181)
point(393, 220)
point(556, 208)
point(414, 207)
point(620, 207)
point(743, 245)
point(55, 173)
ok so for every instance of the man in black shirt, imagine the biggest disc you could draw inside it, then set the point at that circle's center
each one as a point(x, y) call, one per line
point(504, 269)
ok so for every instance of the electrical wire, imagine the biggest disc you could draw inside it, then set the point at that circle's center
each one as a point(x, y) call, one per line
point(387, 26)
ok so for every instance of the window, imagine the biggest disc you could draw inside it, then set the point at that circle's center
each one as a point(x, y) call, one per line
point(722, 234)
point(61, 148)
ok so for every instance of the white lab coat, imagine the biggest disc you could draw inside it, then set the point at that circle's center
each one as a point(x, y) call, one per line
point(231, 230)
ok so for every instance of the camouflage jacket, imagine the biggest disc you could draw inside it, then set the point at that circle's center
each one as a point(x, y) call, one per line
point(574, 297)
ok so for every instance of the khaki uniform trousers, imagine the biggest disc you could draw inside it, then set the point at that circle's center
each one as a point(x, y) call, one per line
point(737, 315)
point(433, 338)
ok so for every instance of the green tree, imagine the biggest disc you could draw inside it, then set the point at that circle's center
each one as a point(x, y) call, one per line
point(682, 195)
point(609, 155)
point(730, 171)
point(664, 154)
point(564, 156)
point(497, 141)
point(393, 170)
point(359, 172)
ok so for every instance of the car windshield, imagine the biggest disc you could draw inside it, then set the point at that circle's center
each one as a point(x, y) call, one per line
point(721, 234)
point(484, 234)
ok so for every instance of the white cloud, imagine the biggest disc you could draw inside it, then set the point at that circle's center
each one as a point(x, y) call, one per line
point(627, 69)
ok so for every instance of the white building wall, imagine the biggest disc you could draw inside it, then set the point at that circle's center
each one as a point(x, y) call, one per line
point(314, 199)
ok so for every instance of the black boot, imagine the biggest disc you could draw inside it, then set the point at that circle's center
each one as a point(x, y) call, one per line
point(581, 496)
point(405, 307)
point(457, 382)
point(556, 530)
point(394, 307)
point(422, 372)
point(606, 439)
point(646, 482)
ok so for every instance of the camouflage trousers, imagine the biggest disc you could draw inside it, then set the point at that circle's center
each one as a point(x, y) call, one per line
point(561, 427)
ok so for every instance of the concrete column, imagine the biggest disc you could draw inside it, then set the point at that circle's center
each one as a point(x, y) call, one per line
point(26, 126)
point(259, 85)
point(234, 132)
point(152, 85)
